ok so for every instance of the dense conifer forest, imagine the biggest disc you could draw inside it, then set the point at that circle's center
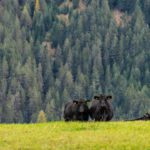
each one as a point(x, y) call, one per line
point(52, 51)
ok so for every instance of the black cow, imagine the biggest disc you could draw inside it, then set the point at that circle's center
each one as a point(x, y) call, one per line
point(101, 108)
point(76, 110)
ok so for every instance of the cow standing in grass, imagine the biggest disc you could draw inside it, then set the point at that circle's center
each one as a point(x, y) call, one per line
point(76, 110)
point(101, 108)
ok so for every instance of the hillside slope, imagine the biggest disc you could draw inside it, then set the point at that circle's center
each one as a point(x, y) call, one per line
point(52, 51)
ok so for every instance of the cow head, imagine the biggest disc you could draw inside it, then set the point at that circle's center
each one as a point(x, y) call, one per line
point(103, 100)
point(82, 109)
point(82, 105)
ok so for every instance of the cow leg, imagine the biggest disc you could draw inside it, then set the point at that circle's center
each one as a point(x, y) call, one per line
point(67, 119)
point(104, 116)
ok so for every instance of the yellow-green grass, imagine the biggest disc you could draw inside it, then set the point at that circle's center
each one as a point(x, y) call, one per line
point(76, 136)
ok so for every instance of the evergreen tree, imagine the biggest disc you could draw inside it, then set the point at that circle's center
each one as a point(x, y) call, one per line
point(41, 117)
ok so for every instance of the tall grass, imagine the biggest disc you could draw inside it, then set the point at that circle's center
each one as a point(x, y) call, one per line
point(76, 136)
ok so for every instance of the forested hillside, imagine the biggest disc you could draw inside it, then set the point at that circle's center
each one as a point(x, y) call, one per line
point(52, 51)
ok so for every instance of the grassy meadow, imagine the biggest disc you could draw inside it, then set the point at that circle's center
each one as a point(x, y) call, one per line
point(76, 136)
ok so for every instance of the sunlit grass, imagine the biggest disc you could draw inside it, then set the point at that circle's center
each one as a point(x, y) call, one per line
point(75, 135)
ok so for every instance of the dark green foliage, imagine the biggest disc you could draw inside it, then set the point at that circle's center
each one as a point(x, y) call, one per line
point(21, 2)
point(75, 3)
point(46, 60)
point(146, 9)
point(123, 5)
point(58, 2)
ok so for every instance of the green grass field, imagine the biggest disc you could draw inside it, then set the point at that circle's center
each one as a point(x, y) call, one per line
point(76, 136)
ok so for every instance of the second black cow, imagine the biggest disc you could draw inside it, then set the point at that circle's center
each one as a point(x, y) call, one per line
point(101, 108)
point(76, 110)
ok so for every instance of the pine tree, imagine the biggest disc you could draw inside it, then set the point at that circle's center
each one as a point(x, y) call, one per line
point(37, 6)
point(41, 117)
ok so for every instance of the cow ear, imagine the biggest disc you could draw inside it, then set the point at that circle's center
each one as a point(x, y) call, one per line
point(96, 97)
point(87, 100)
point(75, 101)
point(109, 97)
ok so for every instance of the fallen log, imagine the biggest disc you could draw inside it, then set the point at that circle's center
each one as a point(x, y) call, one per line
point(146, 117)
